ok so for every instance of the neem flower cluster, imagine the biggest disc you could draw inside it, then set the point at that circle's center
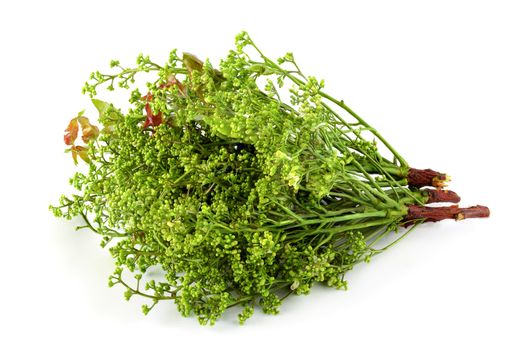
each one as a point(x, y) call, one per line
point(244, 183)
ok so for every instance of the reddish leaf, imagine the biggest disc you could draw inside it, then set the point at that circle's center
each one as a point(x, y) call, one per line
point(171, 81)
point(79, 151)
point(151, 119)
point(148, 97)
point(71, 132)
point(89, 131)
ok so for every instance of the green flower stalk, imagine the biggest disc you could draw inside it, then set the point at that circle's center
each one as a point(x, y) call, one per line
point(244, 183)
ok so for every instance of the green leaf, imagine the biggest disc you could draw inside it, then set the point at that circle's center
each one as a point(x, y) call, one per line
point(100, 105)
point(192, 62)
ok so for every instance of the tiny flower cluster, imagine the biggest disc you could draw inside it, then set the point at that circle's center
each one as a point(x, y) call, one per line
point(239, 189)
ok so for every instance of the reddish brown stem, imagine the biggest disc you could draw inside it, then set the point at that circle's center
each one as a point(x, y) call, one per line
point(442, 196)
point(426, 177)
point(431, 214)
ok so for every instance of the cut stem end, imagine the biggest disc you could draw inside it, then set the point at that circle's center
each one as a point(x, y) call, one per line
point(442, 196)
point(426, 177)
point(431, 214)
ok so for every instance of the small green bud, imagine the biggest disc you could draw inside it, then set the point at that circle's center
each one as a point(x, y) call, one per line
point(145, 309)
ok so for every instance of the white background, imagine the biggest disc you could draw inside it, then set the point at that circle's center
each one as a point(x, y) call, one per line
point(442, 80)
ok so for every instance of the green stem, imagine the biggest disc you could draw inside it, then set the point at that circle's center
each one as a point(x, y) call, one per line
point(339, 103)
point(375, 214)
point(145, 295)
point(339, 229)
point(342, 105)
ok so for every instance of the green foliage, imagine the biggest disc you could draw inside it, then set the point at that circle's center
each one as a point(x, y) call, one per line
point(245, 193)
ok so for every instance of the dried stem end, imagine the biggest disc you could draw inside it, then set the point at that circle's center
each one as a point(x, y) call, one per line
point(441, 196)
point(426, 177)
point(431, 214)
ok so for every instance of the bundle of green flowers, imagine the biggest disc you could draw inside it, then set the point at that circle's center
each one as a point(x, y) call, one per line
point(244, 184)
